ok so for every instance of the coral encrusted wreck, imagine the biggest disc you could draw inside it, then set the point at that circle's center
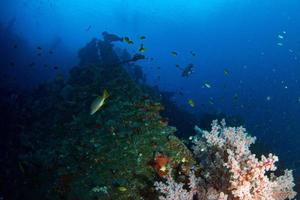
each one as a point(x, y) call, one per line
point(229, 170)
point(116, 153)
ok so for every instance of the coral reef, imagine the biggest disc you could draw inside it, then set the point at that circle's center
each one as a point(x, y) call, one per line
point(114, 154)
point(127, 146)
point(228, 170)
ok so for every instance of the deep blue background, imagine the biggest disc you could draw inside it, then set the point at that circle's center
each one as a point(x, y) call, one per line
point(239, 35)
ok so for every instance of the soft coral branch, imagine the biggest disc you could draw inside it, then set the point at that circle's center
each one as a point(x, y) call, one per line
point(230, 170)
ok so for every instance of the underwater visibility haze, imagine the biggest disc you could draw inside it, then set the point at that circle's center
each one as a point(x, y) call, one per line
point(136, 99)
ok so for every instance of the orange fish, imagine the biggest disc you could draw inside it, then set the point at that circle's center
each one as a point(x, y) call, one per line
point(160, 164)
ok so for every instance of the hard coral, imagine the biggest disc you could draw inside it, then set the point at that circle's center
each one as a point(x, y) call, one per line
point(230, 170)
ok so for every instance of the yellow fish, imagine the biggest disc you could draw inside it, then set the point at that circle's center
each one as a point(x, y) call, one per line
point(143, 37)
point(126, 39)
point(59, 77)
point(207, 85)
point(122, 189)
point(21, 168)
point(211, 101)
point(226, 71)
point(142, 49)
point(174, 53)
point(99, 102)
point(193, 53)
point(191, 103)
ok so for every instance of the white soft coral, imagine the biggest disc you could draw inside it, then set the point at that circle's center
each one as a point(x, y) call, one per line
point(230, 170)
point(172, 190)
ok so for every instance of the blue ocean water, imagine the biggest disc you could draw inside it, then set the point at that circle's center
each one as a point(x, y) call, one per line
point(245, 53)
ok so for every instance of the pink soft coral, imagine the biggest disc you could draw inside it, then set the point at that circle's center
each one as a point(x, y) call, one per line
point(172, 190)
point(230, 170)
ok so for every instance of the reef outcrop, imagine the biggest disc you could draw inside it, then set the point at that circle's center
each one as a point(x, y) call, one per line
point(117, 153)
